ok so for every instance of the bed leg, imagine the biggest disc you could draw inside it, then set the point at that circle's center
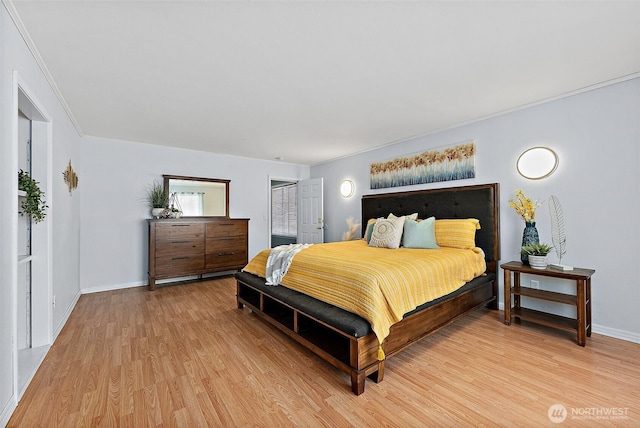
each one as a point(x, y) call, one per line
point(378, 375)
point(240, 305)
point(357, 382)
point(494, 303)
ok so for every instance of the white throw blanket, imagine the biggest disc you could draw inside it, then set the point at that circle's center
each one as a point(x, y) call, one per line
point(279, 261)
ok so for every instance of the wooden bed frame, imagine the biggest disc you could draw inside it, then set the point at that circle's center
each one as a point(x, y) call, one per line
point(357, 355)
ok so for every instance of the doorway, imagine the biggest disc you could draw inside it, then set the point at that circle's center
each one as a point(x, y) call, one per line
point(284, 212)
point(32, 289)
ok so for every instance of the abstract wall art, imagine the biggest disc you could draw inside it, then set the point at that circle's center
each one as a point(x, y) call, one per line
point(455, 162)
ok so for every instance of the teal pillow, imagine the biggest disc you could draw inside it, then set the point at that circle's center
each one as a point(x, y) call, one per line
point(420, 234)
point(370, 225)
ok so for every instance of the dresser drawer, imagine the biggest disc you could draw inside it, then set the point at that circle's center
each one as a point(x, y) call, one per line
point(178, 247)
point(179, 231)
point(225, 243)
point(231, 259)
point(179, 264)
point(226, 228)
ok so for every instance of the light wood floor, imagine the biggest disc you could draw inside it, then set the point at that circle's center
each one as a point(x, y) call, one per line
point(184, 355)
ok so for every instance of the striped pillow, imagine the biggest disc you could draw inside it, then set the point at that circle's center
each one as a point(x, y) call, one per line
point(457, 233)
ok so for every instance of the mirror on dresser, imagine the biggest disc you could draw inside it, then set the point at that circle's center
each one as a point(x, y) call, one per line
point(199, 197)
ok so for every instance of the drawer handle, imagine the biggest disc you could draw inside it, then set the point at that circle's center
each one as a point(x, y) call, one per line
point(232, 253)
point(180, 242)
point(180, 258)
point(180, 225)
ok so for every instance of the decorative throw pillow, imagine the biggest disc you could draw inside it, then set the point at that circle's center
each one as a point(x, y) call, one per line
point(387, 233)
point(420, 234)
point(413, 216)
point(457, 233)
point(369, 230)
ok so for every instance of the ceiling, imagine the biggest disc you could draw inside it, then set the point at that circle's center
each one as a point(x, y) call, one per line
point(308, 81)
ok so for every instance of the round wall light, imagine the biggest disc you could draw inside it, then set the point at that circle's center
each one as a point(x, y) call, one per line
point(347, 188)
point(537, 162)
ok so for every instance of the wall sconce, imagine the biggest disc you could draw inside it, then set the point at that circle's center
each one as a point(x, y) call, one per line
point(347, 188)
point(537, 163)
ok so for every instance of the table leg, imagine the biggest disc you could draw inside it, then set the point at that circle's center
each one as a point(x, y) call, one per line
point(507, 297)
point(581, 305)
point(588, 293)
point(516, 283)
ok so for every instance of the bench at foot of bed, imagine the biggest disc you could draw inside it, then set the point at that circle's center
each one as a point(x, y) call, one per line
point(345, 340)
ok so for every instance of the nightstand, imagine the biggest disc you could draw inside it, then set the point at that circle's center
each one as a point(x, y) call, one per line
point(581, 300)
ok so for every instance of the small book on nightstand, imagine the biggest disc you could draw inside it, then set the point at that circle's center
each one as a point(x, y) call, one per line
point(560, 267)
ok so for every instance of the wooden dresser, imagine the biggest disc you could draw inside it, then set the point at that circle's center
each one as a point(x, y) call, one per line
point(196, 246)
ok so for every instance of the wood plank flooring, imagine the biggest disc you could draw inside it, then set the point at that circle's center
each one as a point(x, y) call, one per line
point(185, 356)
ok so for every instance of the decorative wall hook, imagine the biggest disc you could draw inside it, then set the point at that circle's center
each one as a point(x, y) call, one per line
point(70, 177)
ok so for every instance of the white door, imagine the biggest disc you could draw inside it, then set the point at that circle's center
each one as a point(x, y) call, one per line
point(310, 211)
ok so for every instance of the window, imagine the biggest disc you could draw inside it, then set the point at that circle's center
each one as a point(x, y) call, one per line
point(284, 210)
point(190, 203)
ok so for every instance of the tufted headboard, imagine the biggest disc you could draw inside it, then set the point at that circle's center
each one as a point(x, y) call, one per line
point(478, 201)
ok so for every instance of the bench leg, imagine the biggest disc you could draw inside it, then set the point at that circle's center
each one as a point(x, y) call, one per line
point(357, 382)
point(378, 375)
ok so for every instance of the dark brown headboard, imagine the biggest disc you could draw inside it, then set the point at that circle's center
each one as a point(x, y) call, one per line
point(479, 201)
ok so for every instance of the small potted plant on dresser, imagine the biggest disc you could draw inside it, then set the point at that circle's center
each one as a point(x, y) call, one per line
point(157, 199)
point(536, 254)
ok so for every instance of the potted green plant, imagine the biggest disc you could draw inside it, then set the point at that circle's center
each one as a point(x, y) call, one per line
point(536, 254)
point(157, 199)
point(33, 204)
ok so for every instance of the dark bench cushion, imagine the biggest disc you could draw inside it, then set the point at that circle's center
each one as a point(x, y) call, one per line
point(340, 319)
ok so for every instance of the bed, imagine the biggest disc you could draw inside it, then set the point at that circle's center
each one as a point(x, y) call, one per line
point(349, 342)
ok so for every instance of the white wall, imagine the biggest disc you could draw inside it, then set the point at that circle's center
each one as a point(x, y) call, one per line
point(116, 175)
point(596, 135)
point(63, 217)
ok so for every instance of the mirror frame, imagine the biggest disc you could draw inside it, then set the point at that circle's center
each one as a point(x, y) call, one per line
point(167, 178)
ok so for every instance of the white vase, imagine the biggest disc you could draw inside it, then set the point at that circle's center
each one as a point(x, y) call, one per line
point(156, 212)
point(538, 262)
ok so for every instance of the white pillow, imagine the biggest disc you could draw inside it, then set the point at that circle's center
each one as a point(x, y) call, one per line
point(387, 233)
point(413, 216)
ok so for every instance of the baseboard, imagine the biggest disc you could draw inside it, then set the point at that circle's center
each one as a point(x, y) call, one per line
point(8, 410)
point(65, 317)
point(605, 331)
point(112, 287)
point(616, 333)
point(133, 284)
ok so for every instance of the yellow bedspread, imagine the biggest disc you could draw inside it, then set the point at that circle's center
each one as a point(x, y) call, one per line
point(379, 284)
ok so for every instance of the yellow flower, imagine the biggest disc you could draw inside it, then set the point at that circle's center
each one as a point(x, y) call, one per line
point(524, 206)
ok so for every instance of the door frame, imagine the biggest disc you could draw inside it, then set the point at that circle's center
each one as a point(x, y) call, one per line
point(24, 99)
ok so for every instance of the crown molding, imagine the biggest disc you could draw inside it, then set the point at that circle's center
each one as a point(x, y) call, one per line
point(22, 30)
